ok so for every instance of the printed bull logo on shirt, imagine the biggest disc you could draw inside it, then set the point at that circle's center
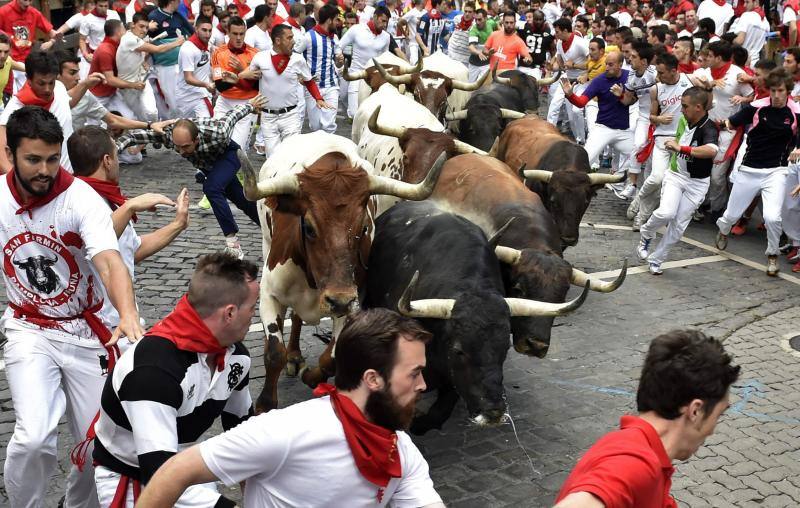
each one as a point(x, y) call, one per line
point(21, 34)
point(42, 268)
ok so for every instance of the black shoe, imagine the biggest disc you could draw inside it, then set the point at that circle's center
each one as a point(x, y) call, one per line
point(143, 152)
point(199, 177)
point(157, 145)
point(61, 501)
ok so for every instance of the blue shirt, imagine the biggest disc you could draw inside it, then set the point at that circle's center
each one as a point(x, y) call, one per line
point(611, 112)
point(170, 23)
point(319, 54)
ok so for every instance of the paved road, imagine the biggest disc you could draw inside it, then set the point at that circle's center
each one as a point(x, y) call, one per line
point(562, 403)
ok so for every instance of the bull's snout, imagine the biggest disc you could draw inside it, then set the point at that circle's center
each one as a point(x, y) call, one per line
point(532, 347)
point(339, 303)
point(491, 417)
point(569, 241)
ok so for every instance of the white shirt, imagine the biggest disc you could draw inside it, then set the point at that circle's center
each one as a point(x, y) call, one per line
point(218, 38)
point(788, 15)
point(60, 108)
point(63, 235)
point(551, 12)
point(130, 63)
point(280, 89)
point(88, 108)
point(299, 457)
point(258, 38)
point(365, 15)
point(624, 18)
point(669, 103)
point(93, 28)
point(366, 45)
point(643, 95)
point(723, 108)
point(74, 23)
point(720, 14)
point(130, 10)
point(192, 59)
point(755, 33)
point(412, 18)
point(578, 52)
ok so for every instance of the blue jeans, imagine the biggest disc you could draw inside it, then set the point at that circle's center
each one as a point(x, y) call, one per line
point(221, 185)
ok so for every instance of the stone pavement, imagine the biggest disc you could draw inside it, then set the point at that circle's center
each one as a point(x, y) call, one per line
point(563, 403)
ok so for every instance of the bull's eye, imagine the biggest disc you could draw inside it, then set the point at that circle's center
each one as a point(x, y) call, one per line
point(365, 231)
point(308, 230)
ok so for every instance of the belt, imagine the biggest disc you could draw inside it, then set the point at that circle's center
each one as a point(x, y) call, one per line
point(279, 111)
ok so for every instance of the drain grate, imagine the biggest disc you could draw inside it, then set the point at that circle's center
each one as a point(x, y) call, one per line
point(794, 342)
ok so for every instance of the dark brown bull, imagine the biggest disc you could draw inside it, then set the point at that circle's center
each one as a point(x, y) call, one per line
point(374, 78)
point(561, 175)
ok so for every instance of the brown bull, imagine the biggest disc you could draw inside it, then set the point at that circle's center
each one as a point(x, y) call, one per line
point(375, 77)
point(561, 176)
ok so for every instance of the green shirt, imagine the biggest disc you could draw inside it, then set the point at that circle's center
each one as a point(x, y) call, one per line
point(478, 37)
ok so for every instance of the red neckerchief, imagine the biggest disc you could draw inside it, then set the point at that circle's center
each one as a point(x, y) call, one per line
point(372, 28)
point(721, 3)
point(103, 16)
point(276, 20)
point(293, 22)
point(221, 28)
point(761, 92)
point(242, 7)
point(720, 71)
point(185, 328)
point(62, 182)
point(435, 14)
point(374, 448)
point(238, 51)
point(194, 39)
point(322, 31)
point(84, 12)
point(622, 9)
point(136, 6)
point(760, 12)
point(687, 68)
point(465, 25)
point(285, 6)
point(29, 98)
point(565, 45)
point(110, 192)
point(279, 61)
point(645, 19)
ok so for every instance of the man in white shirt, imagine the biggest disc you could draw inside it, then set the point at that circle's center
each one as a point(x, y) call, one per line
point(195, 87)
point(718, 10)
point(92, 30)
point(379, 360)
point(257, 35)
point(751, 30)
point(572, 52)
point(368, 41)
point(690, 24)
point(364, 11)
point(412, 18)
point(319, 51)
point(551, 11)
point(789, 19)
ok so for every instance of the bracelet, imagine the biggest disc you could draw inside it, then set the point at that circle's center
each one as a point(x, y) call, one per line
point(686, 150)
point(149, 125)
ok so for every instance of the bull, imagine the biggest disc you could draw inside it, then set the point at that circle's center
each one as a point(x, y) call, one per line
point(370, 79)
point(40, 273)
point(317, 226)
point(562, 176)
point(486, 192)
point(487, 112)
point(458, 297)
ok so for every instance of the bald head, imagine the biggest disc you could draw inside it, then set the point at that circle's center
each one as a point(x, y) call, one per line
point(614, 64)
point(615, 56)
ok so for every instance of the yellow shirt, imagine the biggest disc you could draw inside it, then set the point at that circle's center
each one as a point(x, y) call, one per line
point(595, 67)
point(5, 71)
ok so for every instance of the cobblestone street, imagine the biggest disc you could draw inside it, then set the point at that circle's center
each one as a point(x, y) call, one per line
point(561, 404)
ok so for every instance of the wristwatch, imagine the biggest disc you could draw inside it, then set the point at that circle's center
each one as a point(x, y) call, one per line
point(149, 124)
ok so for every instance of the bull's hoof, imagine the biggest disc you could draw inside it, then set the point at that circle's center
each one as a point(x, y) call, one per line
point(294, 366)
point(264, 404)
point(312, 376)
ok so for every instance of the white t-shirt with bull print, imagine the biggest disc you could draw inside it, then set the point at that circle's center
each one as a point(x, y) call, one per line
point(47, 260)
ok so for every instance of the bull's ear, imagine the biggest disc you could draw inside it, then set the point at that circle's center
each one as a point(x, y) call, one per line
point(286, 204)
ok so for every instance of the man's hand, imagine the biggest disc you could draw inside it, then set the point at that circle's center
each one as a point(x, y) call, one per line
point(152, 26)
point(718, 83)
point(738, 99)
point(250, 74)
point(672, 146)
point(794, 156)
point(796, 191)
point(482, 57)
point(236, 64)
point(566, 86)
point(569, 64)
point(94, 79)
point(744, 78)
point(129, 327)
point(47, 45)
point(258, 102)
point(138, 85)
point(158, 127)
point(617, 90)
point(324, 105)
point(339, 60)
point(88, 57)
point(148, 202)
point(583, 78)
point(182, 209)
point(230, 77)
point(662, 119)
point(527, 60)
point(211, 87)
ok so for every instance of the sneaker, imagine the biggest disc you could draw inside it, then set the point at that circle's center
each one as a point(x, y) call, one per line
point(722, 241)
point(233, 247)
point(794, 255)
point(772, 266)
point(655, 268)
point(204, 204)
point(643, 248)
point(637, 222)
point(260, 149)
point(633, 209)
point(740, 227)
point(796, 267)
point(616, 188)
point(785, 248)
point(698, 216)
point(628, 193)
point(199, 177)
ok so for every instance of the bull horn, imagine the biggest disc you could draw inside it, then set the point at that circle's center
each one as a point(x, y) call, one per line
point(414, 68)
point(495, 238)
point(471, 87)
point(494, 148)
point(462, 147)
point(537, 175)
point(549, 81)
point(441, 308)
point(580, 278)
point(255, 190)
point(456, 115)
point(521, 307)
point(409, 191)
point(499, 79)
point(384, 130)
point(603, 178)
point(511, 114)
point(353, 76)
point(395, 80)
point(507, 255)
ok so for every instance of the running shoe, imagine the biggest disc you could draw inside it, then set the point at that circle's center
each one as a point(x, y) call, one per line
point(233, 247)
point(698, 216)
point(628, 192)
point(643, 248)
point(740, 227)
point(260, 149)
point(633, 209)
point(772, 266)
point(616, 188)
point(793, 255)
point(655, 268)
point(637, 222)
point(721, 241)
point(204, 204)
point(796, 267)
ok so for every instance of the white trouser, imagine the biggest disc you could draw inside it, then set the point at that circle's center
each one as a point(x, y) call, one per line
point(47, 378)
point(203, 495)
point(650, 190)
point(718, 192)
point(574, 114)
point(749, 182)
point(790, 214)
point(83, 68)
point(413, 52)
point(276, 128)
point(161, 105)
point(680, 197)
point(195, 108)
point(475, 71)
point(323, 119)
point(739, 159)
point(167, 76)
point(590, 110)
point(352, 98)
point(601, 136)
point(113, 102)
point(301, 105)
point(640, 140)
point(141, 102)
point(241, 132)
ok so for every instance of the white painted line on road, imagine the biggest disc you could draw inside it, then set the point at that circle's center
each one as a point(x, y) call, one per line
point(664, 266)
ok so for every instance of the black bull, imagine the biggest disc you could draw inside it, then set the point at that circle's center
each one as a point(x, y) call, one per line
point(39, 272)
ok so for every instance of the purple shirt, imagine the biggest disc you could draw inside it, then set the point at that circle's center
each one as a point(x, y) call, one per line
point(612, 113)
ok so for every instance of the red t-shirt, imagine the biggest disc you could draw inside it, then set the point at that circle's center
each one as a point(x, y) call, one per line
point(20, 26)
point(104, 59)
point(625, 468)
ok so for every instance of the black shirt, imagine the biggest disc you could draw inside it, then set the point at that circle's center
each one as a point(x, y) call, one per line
point(771, 139)
point(538, 42)
point(703, 133)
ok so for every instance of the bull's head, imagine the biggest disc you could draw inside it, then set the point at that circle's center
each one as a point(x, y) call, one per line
point(482, 123)
point(567, 195)
point(526, 86)
point(376, 77)
point(39, 272)
point(326, 205)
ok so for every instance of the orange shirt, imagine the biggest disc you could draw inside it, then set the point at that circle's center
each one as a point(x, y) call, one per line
point(509, 48)
point(220, 62)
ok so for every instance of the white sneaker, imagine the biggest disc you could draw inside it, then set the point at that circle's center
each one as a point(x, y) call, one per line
point(260, 149)
point(643, 249)
point(637, 222)
point(616, 188)
point(233, 247)
point(655, 268)
point(633, 209)
point(628, 192)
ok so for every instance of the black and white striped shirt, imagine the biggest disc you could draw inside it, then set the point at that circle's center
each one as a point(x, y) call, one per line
point(160, 400)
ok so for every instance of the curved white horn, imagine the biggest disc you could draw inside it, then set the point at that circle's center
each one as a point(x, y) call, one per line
point(439, 308)
point(471, 87)
point(250, 178)
point(521, 307)
point(456, 115)
point(395, 80)
point(499, 79)
point(511, 114)
point(494, 148)
point(353, 76)
point(604, 178)
point(255, 190)
point(537, 175)
point(414, 68)
point(409, 191)
point(374, 126)
point(580, 278)
point(507, 255)
point(549, 81)
point(462, 147)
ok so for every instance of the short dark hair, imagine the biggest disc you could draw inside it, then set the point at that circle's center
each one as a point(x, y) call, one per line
point(111, 27)
point(582, 19)
point(381, 11)
point(139, 16)
point(562, 24)
point(683, 365)
point(262, 11)
point(794, 51)
point(643, 49)
point(722, 49)
point(659, 32)
point(599, 41)
point(219, 279)
point(510, 14)
point(481, 11)
point(369, 341)
point(689, 41)
point(87, 147)
point(64, 57)
point(611, 21)
point(708, 25)
point(778, 77)
point(236, 21)
point(659, 9)
point(739, 55)
point(765, 64)
point(668, 60)
point(350, 15)
point(41, 62)
point(32, 122)
point(699, 95)
point(327, 12)
point(202, 20)
point(278, 30)
point(164, 3)
point(4, 39)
